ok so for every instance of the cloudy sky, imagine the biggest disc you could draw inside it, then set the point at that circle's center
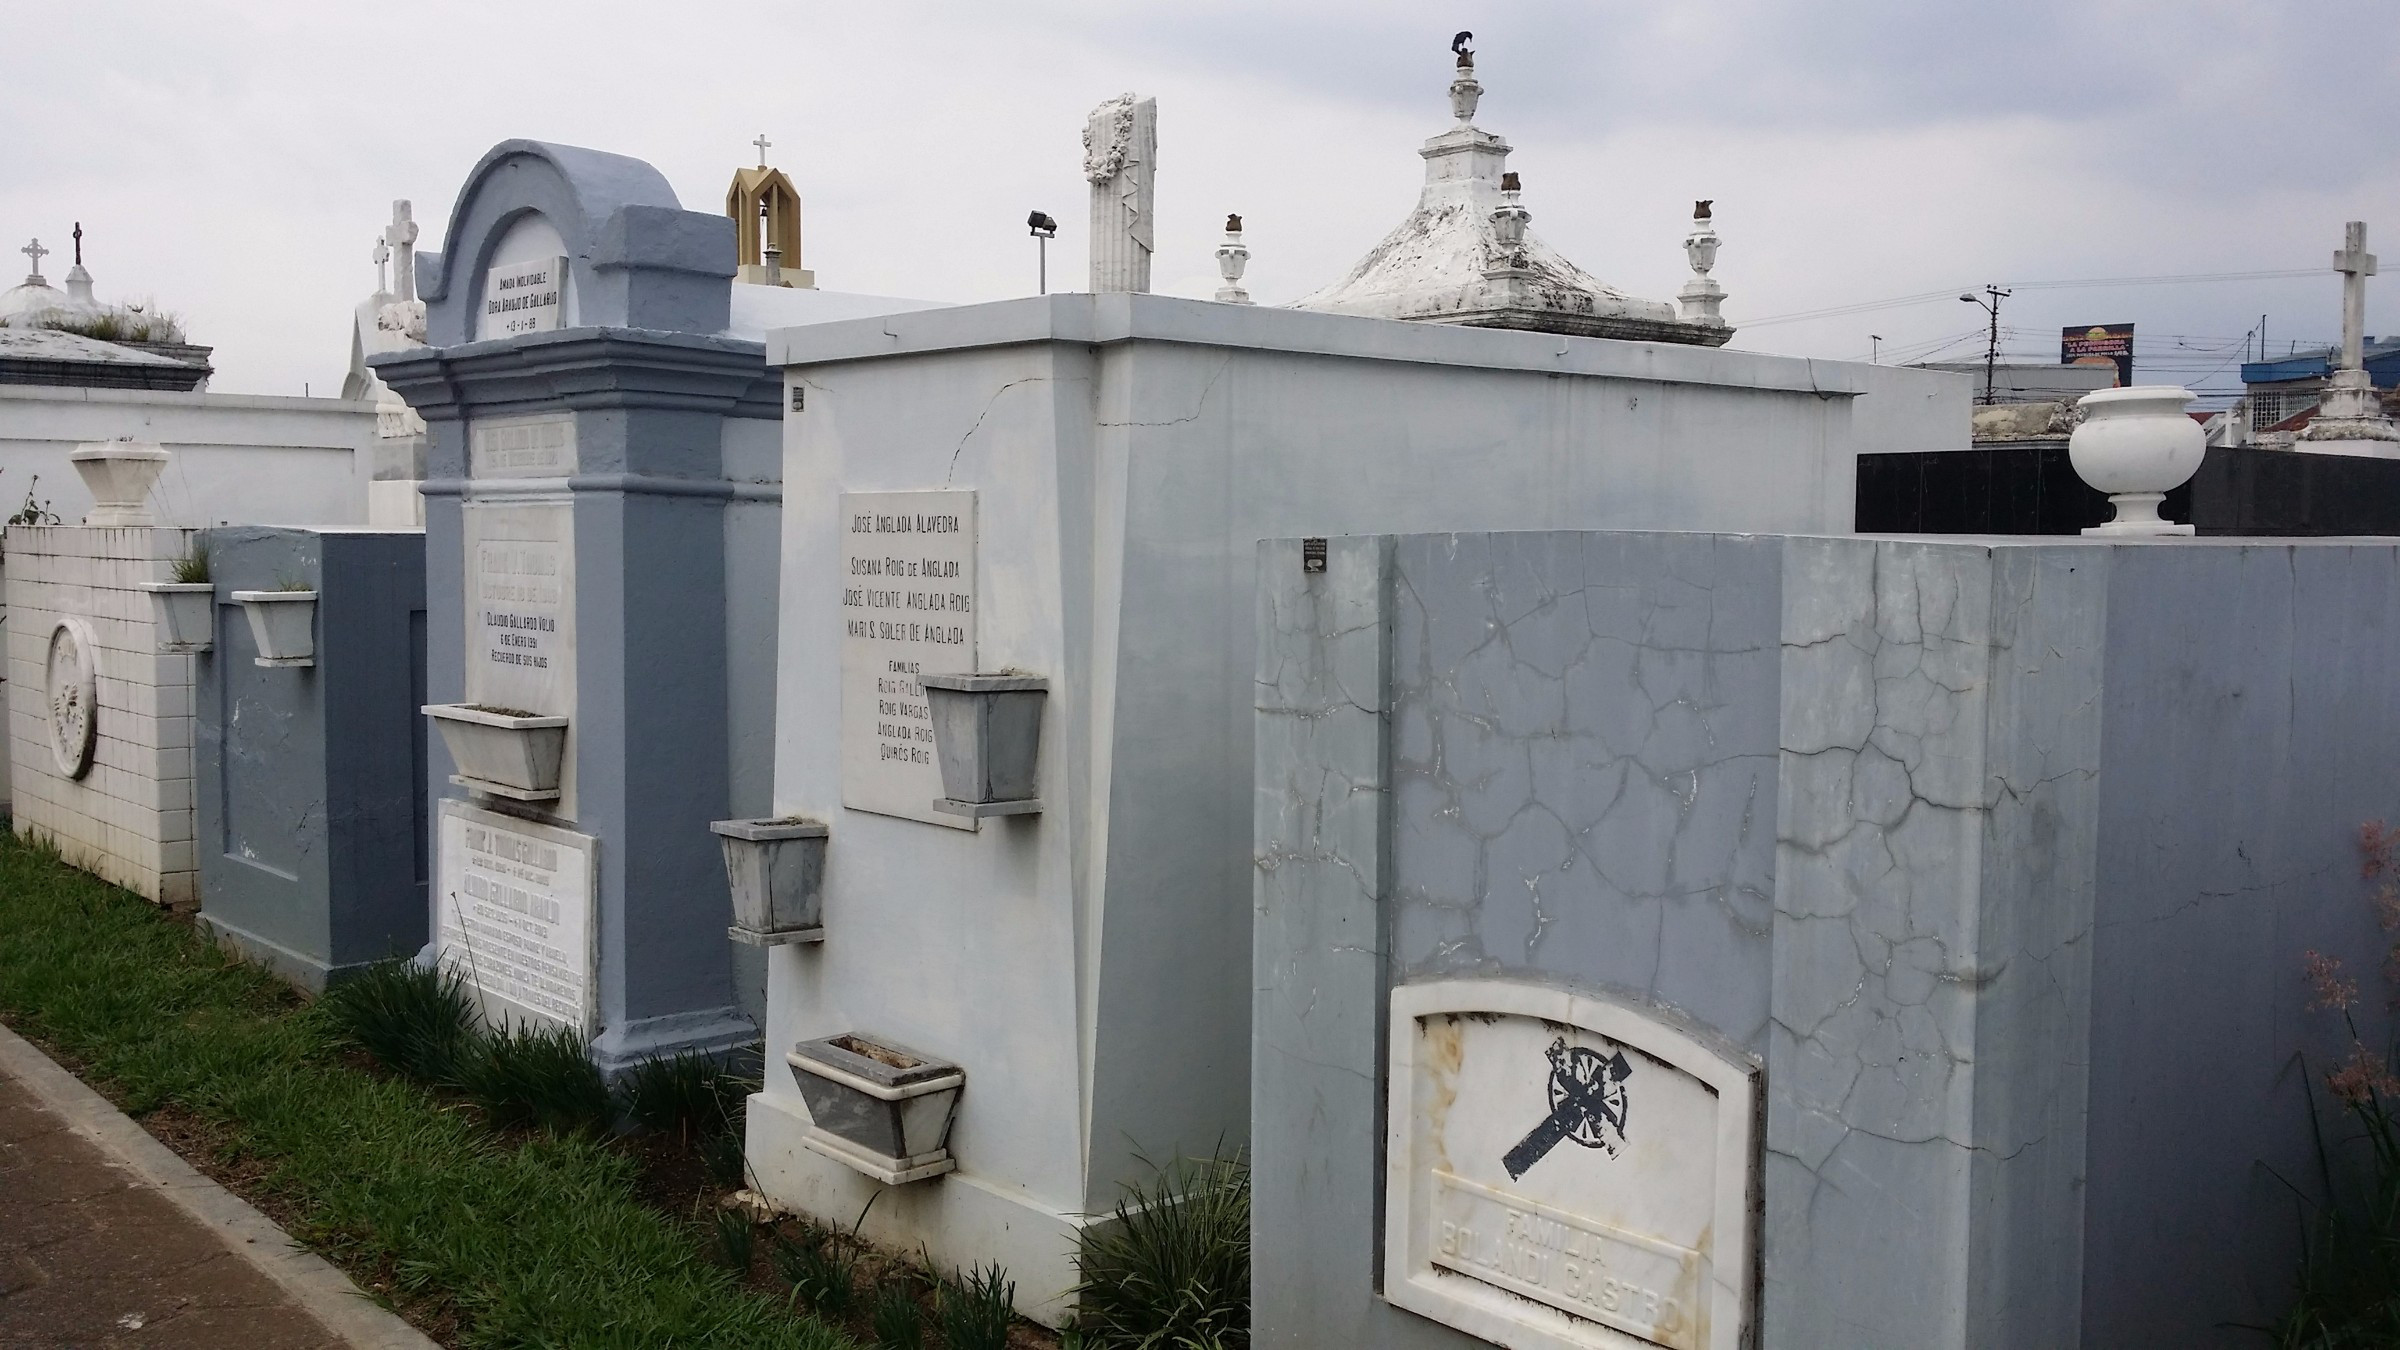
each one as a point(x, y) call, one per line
point(234, 161)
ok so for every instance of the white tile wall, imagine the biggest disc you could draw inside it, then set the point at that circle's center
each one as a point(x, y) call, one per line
point(129, 820)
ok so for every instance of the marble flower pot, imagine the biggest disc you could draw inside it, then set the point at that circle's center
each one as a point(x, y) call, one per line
point(186, 614)
point(987, 730)
point(502, 752)
point(2136, 444)
point(777, 871)
point(283, 624)
point(877, 1107)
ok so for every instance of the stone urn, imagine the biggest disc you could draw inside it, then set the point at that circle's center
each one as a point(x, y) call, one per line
point(776, 869)
point(987, 730)
point(2137, 444)
point(119, 475)
point(878, 1107)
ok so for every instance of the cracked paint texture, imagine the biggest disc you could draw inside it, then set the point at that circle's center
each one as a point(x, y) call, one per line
point(1829, 798)
point(1933, 902)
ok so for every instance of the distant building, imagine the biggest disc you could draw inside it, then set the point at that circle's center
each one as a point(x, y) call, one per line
point(2283, 389)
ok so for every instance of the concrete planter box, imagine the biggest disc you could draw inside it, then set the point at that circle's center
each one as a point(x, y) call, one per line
point(877, 1107)
point(986, 732)
point(501, 752)
point(186, 612)
point(777, 871)
point(284, 624)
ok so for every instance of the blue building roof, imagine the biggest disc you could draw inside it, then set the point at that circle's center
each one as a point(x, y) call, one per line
point(2382, 362)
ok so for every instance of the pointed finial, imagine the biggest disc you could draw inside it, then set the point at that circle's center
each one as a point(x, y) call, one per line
point(762, 143)
point(1465, 92)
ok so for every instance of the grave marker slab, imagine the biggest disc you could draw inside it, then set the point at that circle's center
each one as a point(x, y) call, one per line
point(513, 915)
point(525, 297)
point(908, 609)
point(1565, 1171)
point(520, 616)
point(540, 446)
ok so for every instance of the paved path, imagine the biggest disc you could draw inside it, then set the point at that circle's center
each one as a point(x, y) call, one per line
point(106, 1242)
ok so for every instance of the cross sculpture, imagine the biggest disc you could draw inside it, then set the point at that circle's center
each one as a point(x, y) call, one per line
point(2356, 265)
point(36, 252)
point(401, 236)
point(762, 143)
point(79, 243)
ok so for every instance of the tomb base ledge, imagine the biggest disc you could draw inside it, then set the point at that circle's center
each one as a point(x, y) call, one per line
point(710, 1031)
point(961, 1221)
point(294, 968)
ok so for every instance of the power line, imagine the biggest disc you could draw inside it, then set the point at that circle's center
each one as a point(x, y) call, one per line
point(1925, 297)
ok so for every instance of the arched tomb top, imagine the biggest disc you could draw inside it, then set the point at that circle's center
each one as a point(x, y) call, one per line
point(635, 257)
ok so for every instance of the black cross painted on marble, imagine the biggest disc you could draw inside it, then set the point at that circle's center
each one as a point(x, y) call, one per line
point(1587, 1102)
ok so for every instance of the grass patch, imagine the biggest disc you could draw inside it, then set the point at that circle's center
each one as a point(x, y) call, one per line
point(1173, 1271)
point(534, 1240)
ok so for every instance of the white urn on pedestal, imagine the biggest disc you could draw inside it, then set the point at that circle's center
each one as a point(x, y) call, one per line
point(1233, 256)
point(2137, 444)
point(119, 475)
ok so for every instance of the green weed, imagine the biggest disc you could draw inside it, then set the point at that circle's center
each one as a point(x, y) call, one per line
point(687, 1095)
point(898, 1320)
point(1172, 1271)
point(821, 1270)
point(539, 1077)
point(978, 1309)
point(417, 1022)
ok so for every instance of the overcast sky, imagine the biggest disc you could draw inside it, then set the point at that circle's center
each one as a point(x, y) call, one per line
point(236, 161)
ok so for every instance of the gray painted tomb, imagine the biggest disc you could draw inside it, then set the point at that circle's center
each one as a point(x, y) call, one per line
point(311, 819)
point(600, 493)
point(1988, 866)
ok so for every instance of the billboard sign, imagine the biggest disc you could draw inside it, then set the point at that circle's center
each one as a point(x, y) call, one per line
point(2101, 344)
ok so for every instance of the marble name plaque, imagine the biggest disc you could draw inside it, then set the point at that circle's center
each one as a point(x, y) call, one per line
point(513, 916)
point(1567, 1172)
point(540, 446)
point(908, 609)
point(524, 297)
point(520, 609)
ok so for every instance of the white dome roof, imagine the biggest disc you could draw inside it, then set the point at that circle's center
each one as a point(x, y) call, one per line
point(19, 303)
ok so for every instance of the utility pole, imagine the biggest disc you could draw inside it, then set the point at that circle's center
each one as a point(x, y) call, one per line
point(1875, 352)
point(1991, 351)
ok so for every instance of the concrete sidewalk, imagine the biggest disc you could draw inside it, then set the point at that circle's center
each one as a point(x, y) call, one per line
point(109, 1239)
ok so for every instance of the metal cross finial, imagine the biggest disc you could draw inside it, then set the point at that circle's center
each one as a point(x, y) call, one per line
point(762, 143)
point(36, 252)
point(79, 243)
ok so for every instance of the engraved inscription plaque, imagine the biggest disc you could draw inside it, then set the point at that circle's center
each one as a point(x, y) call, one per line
point(513, 916)
point(1567, 1171)
point(525, 297)
point(908, 609)
point(539, 446)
